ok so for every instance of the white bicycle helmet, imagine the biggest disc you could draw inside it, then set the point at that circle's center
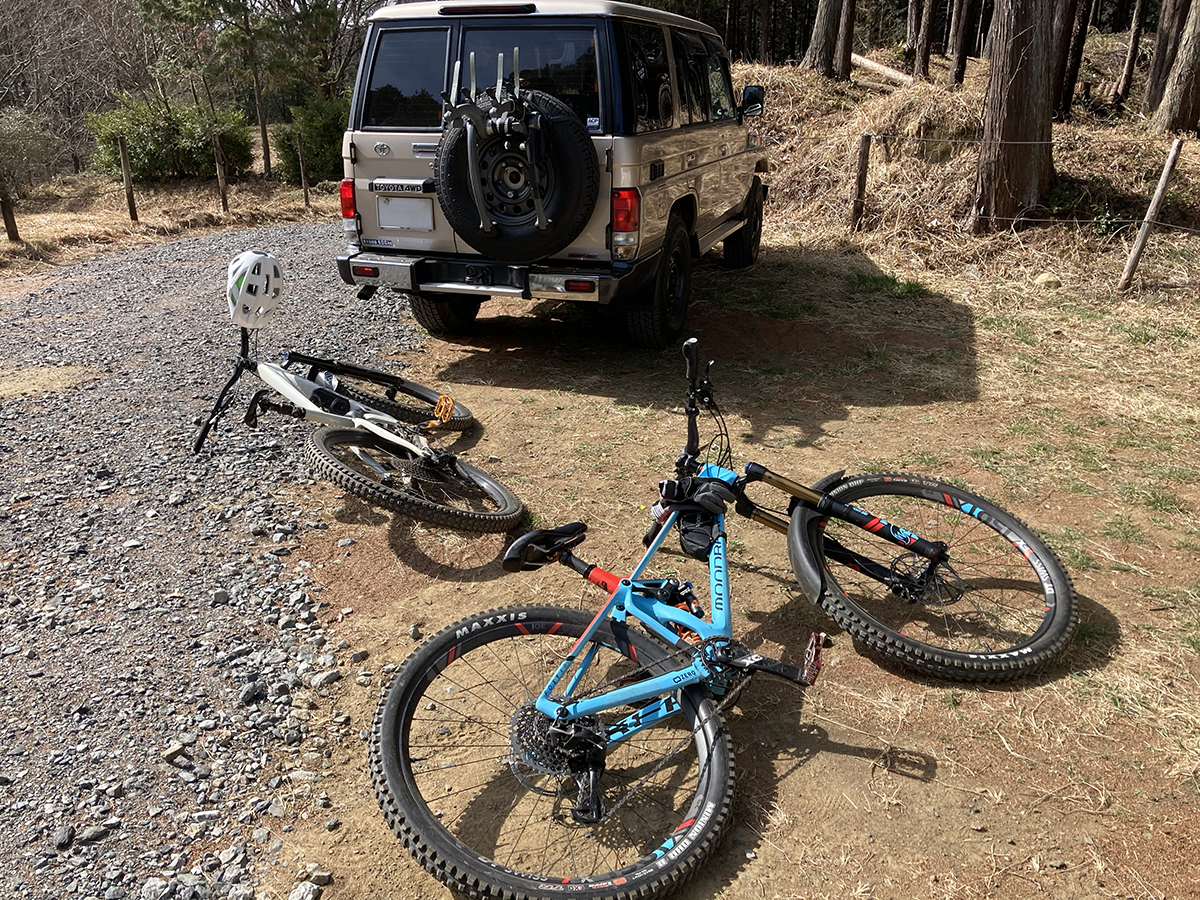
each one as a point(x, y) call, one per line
point(254, 288)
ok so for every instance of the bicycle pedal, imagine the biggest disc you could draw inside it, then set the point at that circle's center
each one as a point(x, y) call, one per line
point(756, 662)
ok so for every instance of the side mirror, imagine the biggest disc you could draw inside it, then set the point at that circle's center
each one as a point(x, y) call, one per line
point(752, 100)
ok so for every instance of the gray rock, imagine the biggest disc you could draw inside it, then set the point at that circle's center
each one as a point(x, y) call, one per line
point(305, 890)
point(63, 837)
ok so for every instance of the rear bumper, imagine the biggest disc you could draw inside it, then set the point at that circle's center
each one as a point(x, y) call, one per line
point(613, 283)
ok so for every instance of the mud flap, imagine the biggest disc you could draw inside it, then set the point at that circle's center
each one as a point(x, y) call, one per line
point(805, 560)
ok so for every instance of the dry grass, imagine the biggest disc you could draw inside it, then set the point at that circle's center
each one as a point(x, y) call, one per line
point(75, 217)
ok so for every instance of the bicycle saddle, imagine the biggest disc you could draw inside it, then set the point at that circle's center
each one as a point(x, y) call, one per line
point(542, 546)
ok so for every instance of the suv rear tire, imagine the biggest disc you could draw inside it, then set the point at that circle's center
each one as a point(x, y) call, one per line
point(741, 247)
point(660, 324)
point(443, 316)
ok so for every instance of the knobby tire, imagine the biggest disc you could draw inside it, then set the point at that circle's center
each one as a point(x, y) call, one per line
point(459, 793)
point(466, 499)
point(1005, 608)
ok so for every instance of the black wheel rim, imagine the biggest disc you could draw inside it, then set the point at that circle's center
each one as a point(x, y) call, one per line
point(508, 188)
point(675, 289)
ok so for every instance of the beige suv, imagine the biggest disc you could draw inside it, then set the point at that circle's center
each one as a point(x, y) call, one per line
point(569, 150)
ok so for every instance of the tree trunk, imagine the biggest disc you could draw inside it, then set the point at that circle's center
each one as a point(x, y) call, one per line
point(1015, 162)
point(1135, 37)
point(924, 42)
point(963, 12)
point(261, 114)
point(845, 41)
point(6, 210)
point(1066, 90)
point(1170, 25)
point(764, 37)
point(1064, 22)
point(913, 29)
point(1180, 106)
point(824, 38)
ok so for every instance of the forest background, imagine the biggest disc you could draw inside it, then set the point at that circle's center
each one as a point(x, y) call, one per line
point(172, 74)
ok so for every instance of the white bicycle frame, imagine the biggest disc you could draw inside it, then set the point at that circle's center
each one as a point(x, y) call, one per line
point(299, 391)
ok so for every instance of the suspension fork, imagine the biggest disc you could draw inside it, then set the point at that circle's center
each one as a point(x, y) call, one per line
point(935, 551)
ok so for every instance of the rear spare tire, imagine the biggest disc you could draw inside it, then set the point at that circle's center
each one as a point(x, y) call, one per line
point(567, 170)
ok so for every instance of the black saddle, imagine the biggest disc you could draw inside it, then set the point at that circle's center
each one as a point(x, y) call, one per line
point(542, 546)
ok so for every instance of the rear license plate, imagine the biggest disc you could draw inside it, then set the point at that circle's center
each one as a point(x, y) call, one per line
point(408, 213)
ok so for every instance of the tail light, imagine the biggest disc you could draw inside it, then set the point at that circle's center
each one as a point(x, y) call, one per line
point(349, 210)
point(626, 222)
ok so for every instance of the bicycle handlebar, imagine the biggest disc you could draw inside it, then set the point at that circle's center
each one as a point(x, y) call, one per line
point(692, 358)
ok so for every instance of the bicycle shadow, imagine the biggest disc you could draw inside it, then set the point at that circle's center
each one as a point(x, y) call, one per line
point(799, 339)
point(771, 745)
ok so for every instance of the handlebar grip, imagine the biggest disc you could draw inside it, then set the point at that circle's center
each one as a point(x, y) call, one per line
point(649, 536)
point(692, 358)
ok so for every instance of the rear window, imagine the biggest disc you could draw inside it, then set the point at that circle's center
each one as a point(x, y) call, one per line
point(650, 77)
point(559, 61)
point(407, 78)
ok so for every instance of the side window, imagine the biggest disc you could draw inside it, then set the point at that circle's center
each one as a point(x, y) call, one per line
point(691, 67)
point(407, 78)
point(720, 86)
point(650, 77)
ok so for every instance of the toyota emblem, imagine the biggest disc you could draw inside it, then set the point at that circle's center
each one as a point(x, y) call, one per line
point(382, 149)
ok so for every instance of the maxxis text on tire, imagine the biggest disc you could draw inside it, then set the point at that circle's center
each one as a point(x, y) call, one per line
point(1003, 608)
point(569, 170)
point(469, 501)
point(660, 323)
point(450, 784)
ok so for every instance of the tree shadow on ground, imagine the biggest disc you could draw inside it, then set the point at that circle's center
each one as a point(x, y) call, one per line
point(798, 340)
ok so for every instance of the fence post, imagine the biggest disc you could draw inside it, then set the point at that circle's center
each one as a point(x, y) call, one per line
point(220, 158)
point(303, 171)
point(127, 176)
point(1139, 245)
point(860, 189)
point(10, 220)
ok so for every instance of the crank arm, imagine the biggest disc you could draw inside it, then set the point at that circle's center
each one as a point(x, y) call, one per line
point(755, 662)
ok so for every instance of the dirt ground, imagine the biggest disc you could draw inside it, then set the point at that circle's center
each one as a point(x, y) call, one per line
point(875, 783)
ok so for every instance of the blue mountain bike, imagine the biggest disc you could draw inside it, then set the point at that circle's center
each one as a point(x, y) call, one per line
point(537, 751)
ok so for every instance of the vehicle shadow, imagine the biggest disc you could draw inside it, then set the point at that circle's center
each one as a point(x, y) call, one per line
point(798, 339)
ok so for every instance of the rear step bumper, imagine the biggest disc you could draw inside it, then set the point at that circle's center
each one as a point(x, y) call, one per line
point(618, 282)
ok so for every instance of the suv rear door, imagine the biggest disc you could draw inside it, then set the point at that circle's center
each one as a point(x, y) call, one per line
point(395, 128)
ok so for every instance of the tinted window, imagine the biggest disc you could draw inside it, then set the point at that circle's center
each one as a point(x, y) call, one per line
point(650, 77)
point(720, 86)
point(559, 61)
point(691, 67)
point(407, 78)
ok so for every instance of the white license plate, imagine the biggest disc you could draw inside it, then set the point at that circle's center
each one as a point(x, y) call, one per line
point(409, 213)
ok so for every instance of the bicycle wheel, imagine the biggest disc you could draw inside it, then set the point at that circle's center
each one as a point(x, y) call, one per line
point(1000, 608)
point(410, 402)
point(479, 794)
point(454, 494)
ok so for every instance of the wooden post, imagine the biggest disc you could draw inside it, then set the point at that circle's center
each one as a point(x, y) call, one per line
point(221, 186)
point(127, 176)
point(1139, 245)
point(10, 220)
point(860, 189)
point(303, 171)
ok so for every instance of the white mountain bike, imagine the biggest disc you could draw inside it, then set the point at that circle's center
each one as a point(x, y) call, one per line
point(373, 440)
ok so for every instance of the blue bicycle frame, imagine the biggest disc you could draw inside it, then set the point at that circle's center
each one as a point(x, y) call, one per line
point(627, 600)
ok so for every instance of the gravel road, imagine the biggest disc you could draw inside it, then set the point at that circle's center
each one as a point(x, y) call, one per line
point(163, 665)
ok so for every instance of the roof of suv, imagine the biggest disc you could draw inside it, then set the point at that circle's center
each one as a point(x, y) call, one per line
point(522, 9)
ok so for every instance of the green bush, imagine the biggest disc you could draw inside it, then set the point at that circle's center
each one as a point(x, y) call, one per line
point(321, 123)
point(174, 143)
